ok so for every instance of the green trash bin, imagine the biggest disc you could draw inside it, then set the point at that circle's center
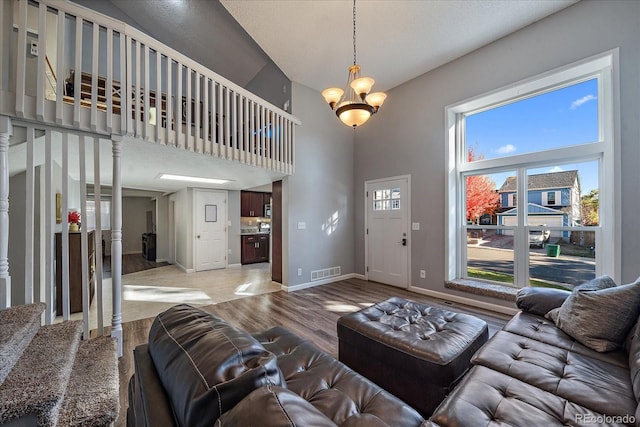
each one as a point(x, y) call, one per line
point(553, 250)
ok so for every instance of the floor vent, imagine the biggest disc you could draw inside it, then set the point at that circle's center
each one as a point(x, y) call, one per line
point(324, 273)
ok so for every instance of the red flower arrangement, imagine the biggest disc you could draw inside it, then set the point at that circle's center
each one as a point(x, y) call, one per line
point(73, 217)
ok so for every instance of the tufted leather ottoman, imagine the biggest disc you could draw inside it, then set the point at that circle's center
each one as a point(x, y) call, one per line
point(415, 351)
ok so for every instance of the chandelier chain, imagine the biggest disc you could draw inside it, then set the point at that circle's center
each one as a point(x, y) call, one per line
point(354, 32)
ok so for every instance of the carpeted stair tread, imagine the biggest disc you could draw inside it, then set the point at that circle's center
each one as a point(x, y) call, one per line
point(38, 381)
point(92, 397)
point(18, 325)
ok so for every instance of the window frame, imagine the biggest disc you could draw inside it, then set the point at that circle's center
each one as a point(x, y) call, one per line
point(604, 68)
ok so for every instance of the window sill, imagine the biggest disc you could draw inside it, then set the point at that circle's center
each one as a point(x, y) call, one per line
point(506, 293)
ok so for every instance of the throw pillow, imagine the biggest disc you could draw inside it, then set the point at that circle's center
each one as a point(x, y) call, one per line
point(600, 319)
point(602, 282)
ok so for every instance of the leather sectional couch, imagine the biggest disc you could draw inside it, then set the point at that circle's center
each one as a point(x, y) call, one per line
point(533, 374)
point(197, 370)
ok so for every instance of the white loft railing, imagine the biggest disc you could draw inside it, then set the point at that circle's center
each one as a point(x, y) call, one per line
point(79, 69)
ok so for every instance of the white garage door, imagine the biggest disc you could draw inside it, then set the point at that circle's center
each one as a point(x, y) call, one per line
point(549, 220)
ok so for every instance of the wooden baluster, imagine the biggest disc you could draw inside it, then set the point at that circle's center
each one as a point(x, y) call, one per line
point(66, 304)
point(42, 61)
point(60, 83)
point(77, 81)
point(116, 242)
point(21, 60)
point(6, 131)
point(29, 214)
point(109, 82)
point(84, 242)
point(205, 116)
point(97, 203)
point(171, 121)
point(49, 215)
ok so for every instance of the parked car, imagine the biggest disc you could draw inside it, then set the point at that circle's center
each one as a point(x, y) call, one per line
point(539, 237)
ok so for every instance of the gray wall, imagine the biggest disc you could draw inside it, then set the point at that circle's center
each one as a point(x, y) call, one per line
point(134, 222)
point(322, 185)
point(162, 228)
point(408, 136)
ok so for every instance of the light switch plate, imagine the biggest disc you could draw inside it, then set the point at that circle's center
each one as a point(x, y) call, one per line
point(302, 225)
point(415, 226)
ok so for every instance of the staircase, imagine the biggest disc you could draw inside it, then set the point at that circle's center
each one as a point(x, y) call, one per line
point(50, 377)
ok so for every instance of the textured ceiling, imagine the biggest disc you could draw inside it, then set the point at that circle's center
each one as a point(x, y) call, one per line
point(397, 40)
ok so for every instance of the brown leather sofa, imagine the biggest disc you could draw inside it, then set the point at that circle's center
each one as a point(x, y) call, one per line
point(197, 370)
point(533, 374)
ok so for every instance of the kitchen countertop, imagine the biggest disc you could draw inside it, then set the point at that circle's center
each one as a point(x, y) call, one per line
point(252, 233)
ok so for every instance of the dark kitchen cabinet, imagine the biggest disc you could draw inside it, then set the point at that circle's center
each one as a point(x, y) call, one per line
point(254, 248)
point(252, 203)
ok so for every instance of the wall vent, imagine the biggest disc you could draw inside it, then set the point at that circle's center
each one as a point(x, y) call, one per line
point(324, 273)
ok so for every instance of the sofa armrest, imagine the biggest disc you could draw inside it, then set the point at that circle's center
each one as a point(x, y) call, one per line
point(148, 402)
point(540, 301)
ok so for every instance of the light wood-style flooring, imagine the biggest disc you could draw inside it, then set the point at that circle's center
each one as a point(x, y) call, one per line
point(311, 313)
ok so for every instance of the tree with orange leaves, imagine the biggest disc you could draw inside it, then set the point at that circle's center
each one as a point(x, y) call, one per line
point(482, 197)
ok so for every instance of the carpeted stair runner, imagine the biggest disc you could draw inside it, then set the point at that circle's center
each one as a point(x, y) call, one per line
point(38, 381)
point(90, 400)
point(19, 325)
point(49, 377)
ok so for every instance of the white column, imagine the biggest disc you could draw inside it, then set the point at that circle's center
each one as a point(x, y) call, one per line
point(116, 243)
point(6, 131)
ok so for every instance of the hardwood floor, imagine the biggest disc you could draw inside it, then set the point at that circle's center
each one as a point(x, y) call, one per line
point(311, 313)
point(131, 263)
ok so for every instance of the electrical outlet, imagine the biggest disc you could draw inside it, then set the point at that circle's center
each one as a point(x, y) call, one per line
point(299, 272)
point(34, 48)
point(423, 274)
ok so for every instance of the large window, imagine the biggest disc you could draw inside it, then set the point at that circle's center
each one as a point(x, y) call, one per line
point(532, 181)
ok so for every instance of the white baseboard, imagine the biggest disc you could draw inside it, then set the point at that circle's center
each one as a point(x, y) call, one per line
point(359, 276)
point(185, 269)
point(234, 265)
point(161, 260)
point(463, 300)
point(132, 253)
point(319, 282)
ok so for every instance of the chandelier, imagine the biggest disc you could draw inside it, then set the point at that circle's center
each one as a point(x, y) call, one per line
point(354, 105)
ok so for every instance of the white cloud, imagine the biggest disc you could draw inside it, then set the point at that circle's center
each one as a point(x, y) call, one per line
point(578, 102)
point(556, 169)
point(506, 149)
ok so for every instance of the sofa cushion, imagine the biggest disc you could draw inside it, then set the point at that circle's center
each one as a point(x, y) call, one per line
point(341, 394)
point(278, 407)
point(486, 398)
point(595, 384)
point(544, 330)
point(599, 319)
point(205, 365)
point(540, 300)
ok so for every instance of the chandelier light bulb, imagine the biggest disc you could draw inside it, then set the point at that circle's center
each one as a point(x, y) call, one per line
point(376, 99)
point(332, 95)
point(362, 86)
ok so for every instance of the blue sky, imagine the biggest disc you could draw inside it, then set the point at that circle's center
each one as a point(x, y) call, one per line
point(561, 118)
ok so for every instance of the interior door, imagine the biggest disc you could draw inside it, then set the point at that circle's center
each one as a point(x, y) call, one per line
point(387, 231)
point(210, 229)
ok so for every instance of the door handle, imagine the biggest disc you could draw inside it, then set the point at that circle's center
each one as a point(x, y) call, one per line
point(198, 236)
point(404, 241)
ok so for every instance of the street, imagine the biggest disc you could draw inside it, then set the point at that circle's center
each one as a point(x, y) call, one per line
point(571, 270)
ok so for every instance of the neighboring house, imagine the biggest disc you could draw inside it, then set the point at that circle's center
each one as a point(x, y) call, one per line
point(553, 200)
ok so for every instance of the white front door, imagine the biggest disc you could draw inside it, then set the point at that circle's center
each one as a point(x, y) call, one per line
point(387, 232)
point(210, 229)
